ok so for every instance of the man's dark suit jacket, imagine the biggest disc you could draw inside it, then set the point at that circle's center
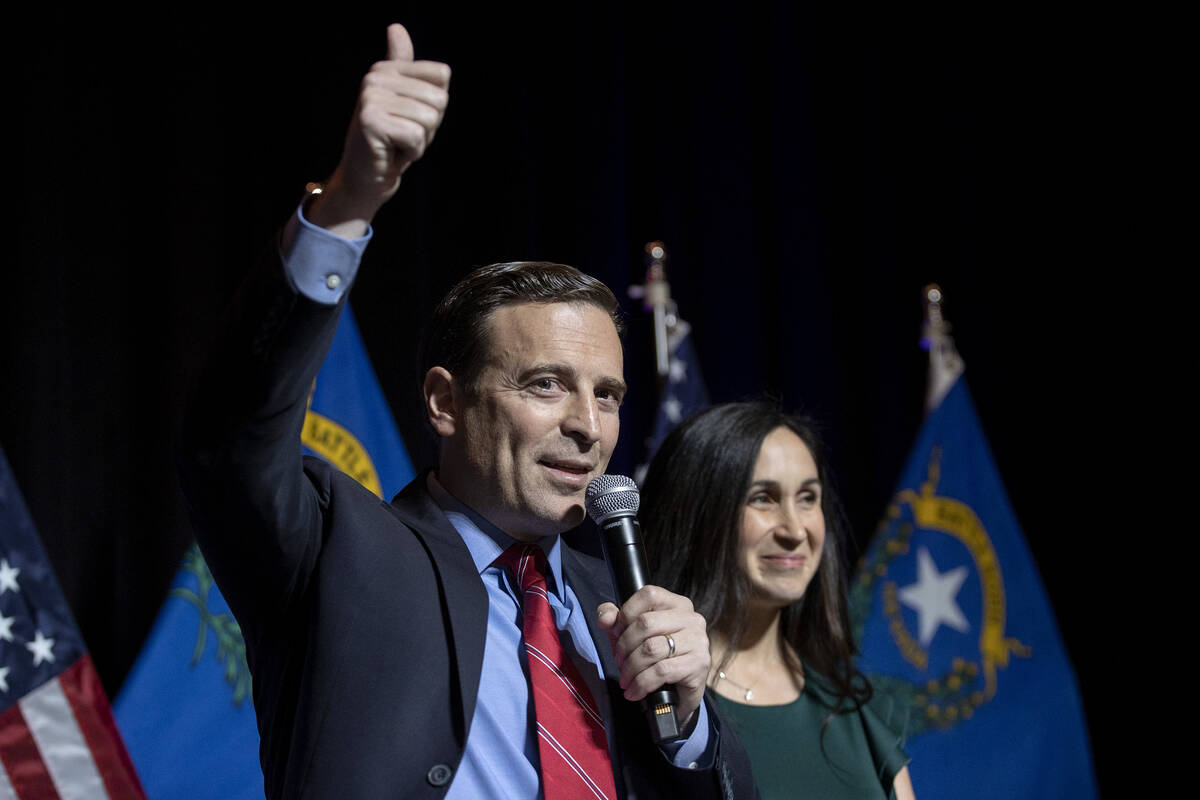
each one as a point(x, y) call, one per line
point(364, 620)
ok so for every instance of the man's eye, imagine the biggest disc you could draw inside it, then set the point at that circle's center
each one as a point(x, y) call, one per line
point(546, 384)
point(609, 396)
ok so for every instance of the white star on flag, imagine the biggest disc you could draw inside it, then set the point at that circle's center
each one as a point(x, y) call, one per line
point(673, 409)
point(933, 598)
point(8, 577)
point(677, 370)
point(59, 736)
point(42, 648)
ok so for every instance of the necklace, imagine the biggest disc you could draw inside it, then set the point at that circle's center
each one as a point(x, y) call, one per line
point(749, 691)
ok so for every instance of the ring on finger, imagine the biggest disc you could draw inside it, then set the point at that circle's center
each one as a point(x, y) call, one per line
point(670, 646)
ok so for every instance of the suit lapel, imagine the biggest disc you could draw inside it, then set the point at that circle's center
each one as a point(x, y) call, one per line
point(464, 598)
point(592, 585)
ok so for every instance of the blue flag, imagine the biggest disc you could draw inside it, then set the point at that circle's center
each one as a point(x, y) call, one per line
point(185, 709)
point(952, 619)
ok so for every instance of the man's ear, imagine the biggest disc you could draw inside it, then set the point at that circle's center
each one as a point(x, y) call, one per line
point(440, 405)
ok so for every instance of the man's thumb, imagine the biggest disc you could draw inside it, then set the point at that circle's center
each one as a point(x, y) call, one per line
point(399, 46)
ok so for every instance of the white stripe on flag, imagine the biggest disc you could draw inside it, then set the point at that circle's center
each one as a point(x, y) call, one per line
point(7, 792)
point(64, 751)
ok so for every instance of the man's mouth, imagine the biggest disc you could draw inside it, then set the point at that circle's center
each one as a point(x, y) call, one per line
point(573, 472)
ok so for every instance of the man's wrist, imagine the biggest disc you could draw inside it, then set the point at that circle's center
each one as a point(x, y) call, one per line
point(340, 210)
point(319, 264)
point(697, 748)
point(686, 726)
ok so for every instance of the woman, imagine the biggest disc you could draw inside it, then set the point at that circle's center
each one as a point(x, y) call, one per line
point(739, 516)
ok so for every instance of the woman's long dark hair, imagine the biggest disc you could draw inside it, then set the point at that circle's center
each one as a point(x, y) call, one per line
point(692, 501)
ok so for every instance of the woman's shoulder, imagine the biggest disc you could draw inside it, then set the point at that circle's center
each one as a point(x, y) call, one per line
point(882, 713)
point(883, 720)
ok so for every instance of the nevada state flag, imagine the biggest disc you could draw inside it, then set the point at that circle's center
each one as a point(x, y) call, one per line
point(952, 620)
point(186, 708)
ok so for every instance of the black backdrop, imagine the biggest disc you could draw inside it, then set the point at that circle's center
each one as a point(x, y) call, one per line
point(809, 171)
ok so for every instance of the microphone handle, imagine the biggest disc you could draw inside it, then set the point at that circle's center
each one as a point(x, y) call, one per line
point(622, 542)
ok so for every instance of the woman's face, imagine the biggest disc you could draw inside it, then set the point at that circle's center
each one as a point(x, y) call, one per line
point(783, 527)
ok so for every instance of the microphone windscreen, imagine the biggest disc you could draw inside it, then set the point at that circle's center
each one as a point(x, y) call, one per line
point(611, 494)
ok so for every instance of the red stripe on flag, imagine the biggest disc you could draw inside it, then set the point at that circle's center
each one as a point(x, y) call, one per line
point(90, 706)
point(22, 759)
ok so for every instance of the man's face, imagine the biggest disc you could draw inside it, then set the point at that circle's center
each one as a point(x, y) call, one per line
point(544, 421)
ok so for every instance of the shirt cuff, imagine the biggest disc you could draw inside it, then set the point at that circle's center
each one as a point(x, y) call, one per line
point(698, 751)
point(322, 265)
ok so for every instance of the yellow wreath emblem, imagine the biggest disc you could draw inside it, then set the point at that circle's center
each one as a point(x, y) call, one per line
point(956, 694)
point(340, 447)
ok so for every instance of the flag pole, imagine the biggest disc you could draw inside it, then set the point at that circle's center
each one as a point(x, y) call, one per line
point(681, 390)
point(945, 364)
point(655, 295)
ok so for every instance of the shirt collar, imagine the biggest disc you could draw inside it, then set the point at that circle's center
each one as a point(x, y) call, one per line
point(485, 541)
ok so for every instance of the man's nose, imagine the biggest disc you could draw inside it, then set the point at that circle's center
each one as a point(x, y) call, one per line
point(582, 421)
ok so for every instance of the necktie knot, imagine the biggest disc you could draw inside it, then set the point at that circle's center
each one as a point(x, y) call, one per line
point(527, 563)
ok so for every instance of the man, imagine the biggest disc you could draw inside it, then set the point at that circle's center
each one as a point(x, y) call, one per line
point(395, 647)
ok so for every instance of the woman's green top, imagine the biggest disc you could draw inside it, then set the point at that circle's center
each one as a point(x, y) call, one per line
point(857, 757)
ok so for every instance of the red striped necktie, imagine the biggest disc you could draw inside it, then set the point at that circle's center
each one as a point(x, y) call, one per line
point(571, 739)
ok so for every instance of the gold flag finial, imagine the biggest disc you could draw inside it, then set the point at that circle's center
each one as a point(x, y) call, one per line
point(935, 323)
point(945, 364)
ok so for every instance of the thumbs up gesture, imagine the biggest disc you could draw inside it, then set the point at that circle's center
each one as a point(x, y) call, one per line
point(400, 106)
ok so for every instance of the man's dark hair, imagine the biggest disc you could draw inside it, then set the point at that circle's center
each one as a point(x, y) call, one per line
point(456, 337)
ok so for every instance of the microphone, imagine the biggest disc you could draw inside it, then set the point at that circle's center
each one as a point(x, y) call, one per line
point(612, 501)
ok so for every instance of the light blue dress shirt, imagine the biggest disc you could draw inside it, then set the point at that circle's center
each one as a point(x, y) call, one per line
point(322, 265)
point(501, 756)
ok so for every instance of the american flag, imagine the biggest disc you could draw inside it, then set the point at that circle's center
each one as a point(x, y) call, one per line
point(683, 394)
point(57, 736)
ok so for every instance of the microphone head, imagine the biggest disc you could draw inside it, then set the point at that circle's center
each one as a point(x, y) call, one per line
point(609, 495)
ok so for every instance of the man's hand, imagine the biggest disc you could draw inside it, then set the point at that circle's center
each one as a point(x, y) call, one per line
point(639, 631)
point(400, 107)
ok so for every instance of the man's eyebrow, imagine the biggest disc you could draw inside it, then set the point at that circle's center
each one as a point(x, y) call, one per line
point(554, 368)
point(570, 373)
point(613, 384)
